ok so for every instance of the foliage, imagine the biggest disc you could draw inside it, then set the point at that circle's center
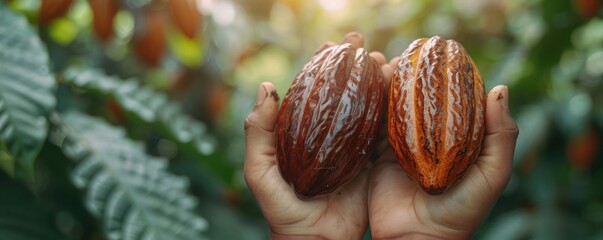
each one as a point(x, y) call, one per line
point(26, 91)
point(130, 191)
point(184, 89)
point(154, 108)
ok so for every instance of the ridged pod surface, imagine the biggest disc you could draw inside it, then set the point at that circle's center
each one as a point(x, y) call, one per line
point(328, 120)
point(436, 113)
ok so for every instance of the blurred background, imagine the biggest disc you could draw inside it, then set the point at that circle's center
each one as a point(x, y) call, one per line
point(206, 58)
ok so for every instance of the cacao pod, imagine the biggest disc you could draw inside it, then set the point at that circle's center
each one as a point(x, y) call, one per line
point(149, 40)
point(436, 113)
point(582, 149)
point(217, 99)
point(185, 16)
point(328, 120)
point(588, 8)
point(51, 9)
point(103, 14)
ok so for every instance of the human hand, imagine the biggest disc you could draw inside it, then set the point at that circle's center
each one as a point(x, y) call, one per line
point(399, 209)
point(339, 215)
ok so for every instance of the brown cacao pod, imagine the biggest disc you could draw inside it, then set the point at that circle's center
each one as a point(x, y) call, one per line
point(328, 120)
point(436, 113)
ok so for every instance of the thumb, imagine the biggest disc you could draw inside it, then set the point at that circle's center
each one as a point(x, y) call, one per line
point(259, 132)
point(485, 181)
point(496, 158)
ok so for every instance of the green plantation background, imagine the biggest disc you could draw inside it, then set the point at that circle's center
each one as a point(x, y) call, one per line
point(123, 119)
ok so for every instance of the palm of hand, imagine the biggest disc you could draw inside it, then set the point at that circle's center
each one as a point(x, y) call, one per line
point(339, 215)
point(335, 215)
point(398, 207)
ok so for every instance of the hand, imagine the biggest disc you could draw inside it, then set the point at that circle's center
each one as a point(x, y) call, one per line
point(399, 209)
point(339, 215)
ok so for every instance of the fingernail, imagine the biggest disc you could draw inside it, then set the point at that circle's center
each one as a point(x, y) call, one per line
point(503, 97)
point(262, 95)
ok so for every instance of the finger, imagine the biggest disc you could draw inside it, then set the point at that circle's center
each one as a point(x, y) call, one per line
point(394, 62)
point(388, 73)
point(259, 130)
point(498, 118)
point(379, 57)
point(354, 38)
point(477, 192)
point(382, 136)
point(388, 194)
point(382, 143)
point(496, 157)
point(325, 46)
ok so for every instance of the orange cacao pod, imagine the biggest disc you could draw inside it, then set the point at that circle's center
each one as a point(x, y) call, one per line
point(51, 9)
point(185, 16)
point(149, 41)
point(582, 149)
point(328, 120)
point(436, 113)
point(103, 14)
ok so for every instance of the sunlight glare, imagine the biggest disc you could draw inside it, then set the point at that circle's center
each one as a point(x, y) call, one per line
point(333, 5)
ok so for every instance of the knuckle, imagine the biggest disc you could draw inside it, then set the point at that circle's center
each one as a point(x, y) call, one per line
point(249, 123)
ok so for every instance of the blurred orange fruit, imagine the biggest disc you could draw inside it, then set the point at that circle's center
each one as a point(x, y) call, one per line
point(116, 111)
point(51, 9)
point(103, 13)
point(149, 41)
point(582, 150)
point(588, 8)
point(185, 16)
point(218, 99)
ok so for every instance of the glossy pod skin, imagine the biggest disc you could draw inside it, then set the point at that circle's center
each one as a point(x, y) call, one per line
point(436, 113)
point(328, 120)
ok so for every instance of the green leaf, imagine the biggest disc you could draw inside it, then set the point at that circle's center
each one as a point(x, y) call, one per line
point(21, 217)
point(7, 163)
point(188, 51)
point(534, 122)
point(26, 90)
point(156, 109)
point(132, 193)
point(516, 224)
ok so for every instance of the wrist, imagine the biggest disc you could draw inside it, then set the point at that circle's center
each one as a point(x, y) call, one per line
point(315, 235)
point(424, 236)
point(277, 236)
point(427, 235)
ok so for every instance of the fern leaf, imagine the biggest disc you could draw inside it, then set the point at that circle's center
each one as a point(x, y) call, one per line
point(156, 109)
point(26, 90)
point(132, 193)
